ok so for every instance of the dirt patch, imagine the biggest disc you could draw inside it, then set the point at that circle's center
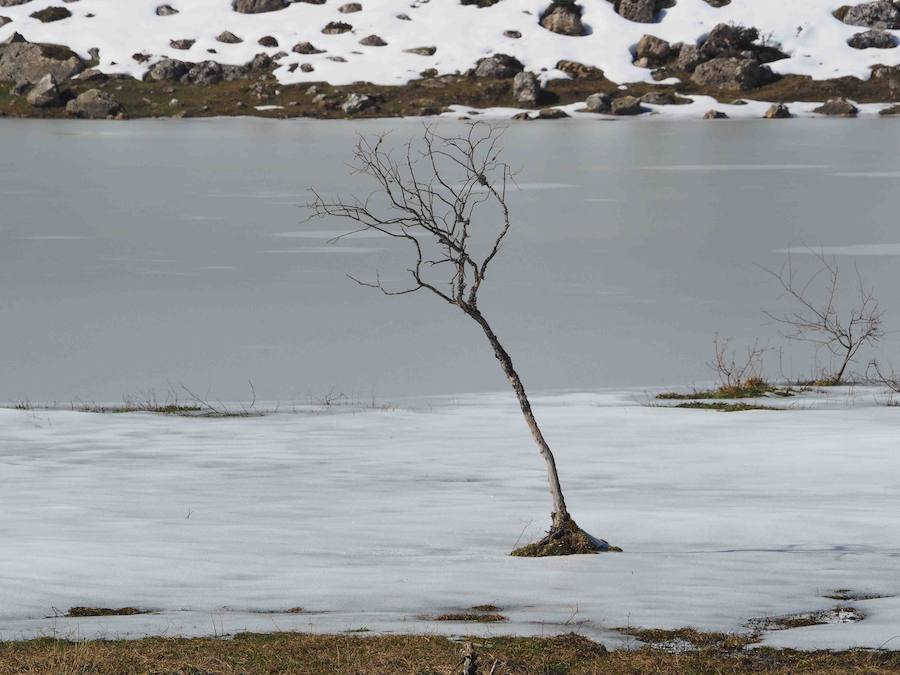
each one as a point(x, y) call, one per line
point(682, 640)
point(804, 619)
point(76, 612)
point(480, 617)
point(847, 595)
point(567, 540)
point(722, 406)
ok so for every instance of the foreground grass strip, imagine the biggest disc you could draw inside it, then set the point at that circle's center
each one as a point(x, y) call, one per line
point(412, 655)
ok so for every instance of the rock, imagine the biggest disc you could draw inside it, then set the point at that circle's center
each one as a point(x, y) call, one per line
point(422, 51)
point(688, 58)
point(166, 10)
point(263, 62)
point(29, 62)
point(267, 41)
point(350, 8)
point(526, 88)
point(837, 107)
point(598, 103)
point(94, 104)
point(728, 40)
point(228, 38)
point(658, 98)
point(577, 70)
point(627, 105)
point(563, 17)
point(652, 52)
point(166, 70)
point(718, 3)
point(204, 73)
point(498, 66)
point(731, 73)
point(715, 115)
point(4, 20)
point(893, 110)
point(91, 75)
point(258, 6)
point(51, 14)
point(551, 114)
point(181, 44)
point(514, 34)
point(19, 88)
point(878, 14)
point(306, 67)
point(640, 11)
point(520, 116)
point(336, 28)
point(873, 39)
point(373, 41)
point(777, 111)
point(306, 48)
point(355, 103)
point(45, 93)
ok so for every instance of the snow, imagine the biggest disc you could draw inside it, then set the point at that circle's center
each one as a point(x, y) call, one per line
point(805, 29)
point(384, 517)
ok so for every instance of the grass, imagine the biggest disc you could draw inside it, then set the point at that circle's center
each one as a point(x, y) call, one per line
point(754, 388)
point(567, 540)
point(301, 654)
point(75, 612)
point(660, 638)
point(480, 617)
point(722, 406)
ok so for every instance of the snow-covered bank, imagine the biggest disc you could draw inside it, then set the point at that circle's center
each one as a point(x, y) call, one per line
point(815, 41)
point(382, 518)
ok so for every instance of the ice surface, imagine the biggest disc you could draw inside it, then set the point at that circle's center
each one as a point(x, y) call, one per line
point(805, 29)
point(382, 518)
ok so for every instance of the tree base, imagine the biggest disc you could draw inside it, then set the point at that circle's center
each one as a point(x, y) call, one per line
point(568, 539)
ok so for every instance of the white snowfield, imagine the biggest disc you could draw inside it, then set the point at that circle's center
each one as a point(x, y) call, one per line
point(805, 29)
point(385, 518)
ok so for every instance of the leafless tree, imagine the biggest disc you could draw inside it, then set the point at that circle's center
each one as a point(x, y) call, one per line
point(445, 199)
point(820, 321)
point(891, 379)
point(736, 372)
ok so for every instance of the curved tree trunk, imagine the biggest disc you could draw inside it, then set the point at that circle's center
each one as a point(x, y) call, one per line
point(560, 515)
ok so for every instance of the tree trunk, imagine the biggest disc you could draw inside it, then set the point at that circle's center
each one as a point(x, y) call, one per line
point(560, 514)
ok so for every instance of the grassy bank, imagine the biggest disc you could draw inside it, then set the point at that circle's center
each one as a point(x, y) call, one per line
point(415, 655)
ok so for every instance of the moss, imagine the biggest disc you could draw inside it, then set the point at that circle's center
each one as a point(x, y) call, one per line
point(567, 540)
point(75, 612)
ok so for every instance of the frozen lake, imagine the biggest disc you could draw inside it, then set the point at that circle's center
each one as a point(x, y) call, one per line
point(138, 256)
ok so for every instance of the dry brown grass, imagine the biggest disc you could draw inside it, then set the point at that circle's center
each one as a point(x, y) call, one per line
point(254, 654)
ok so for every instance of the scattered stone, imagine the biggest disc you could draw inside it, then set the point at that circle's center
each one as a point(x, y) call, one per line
point(306, 48)
point(526, 88)
point(878, 14)
point(577, 70)
point(181, 44)
point(336, 27)
point(551, 114)
point(51, 14)
point(355, 103)
point(306, 67)
point(731, 73)
point(403, 17)
point(228, 38)
point(166, 70)
point(563, 17)
point(267, 41)
point(258, 6)
point(166, 10)
point(597, 103)
point(627, 105)
point(777, 111)
point(94, 104)
point(498, 66)
point(652, 52)
point(372, 41)
point(422, 51)
point(29, 62)
point(659, 98)
point(514, 34)
point(45, 93)
point(837, 107)
point(715, 115)
point(873, 39)
point(888, 112)
point(350, 8)
point(640, 11)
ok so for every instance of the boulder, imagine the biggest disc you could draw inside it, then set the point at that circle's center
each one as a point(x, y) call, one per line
point(627, 105)
point(51, 14)
point(350, 8)
point(715, 115)
point(731, 73)
point(166, 10)
point(183, 44)
point(877, 14)
point(373, 41)
point(29, 62)
point(717, 4)
point(837, 107)
point(94, 104)
point(728, 40)
point(890, 112)
point(228, 38)
point(526, 88)
point(498, 66)
point(267, 41)
point(306, 48)
point(204, 73)
point(652, 52)
point(873, 39)
point(166, 70)
point(355, 103)
point(258, 6)
point(640, 11)
point(421, 51)
point(598, 103)
point(563, 17)
point(659, 98)
point(336, 28)
point(688, 58)
point(4, 20)
point(777, 111)
point(551, 114)
point(45, 93)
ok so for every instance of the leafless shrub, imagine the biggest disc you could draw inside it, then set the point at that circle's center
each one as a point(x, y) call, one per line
point(738, 372)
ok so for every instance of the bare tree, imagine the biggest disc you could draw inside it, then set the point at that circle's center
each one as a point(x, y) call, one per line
point(821, 322)
point(738, 373)
point(446, 201)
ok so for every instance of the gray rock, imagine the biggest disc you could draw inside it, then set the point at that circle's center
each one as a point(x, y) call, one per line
point(837, 107)
point(598, 103)
point(551, 114)
point(563, 17)
point(514, 34)
point(258, 6)
point(777, 111)
point(728, 40)
point(228, 38)
point(890, 112)
point(13, 3)
point(422, 51)
point(45, 93)
point(688, 57)
point(306, 48)
point(731, 73)
point(350, 8)
point(652, 52)
point(878, 14)
point(355, 103)
point(715, 115)
point(641, 11)
point(94, 104)
point(526, 88)
point(204, 73)
point(336, 28)
point(658, 98)
point(372, 41)
point(166, 10)
point(627, 105)
point(873, 39)
point(4, 20)
point(29, 62)
point(166, 70)
point(51, 14)
point(499, 66)
point(718, 3)
point(181, 44)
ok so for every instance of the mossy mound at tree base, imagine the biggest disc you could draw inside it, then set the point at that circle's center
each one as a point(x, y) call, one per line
point(569, 539)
